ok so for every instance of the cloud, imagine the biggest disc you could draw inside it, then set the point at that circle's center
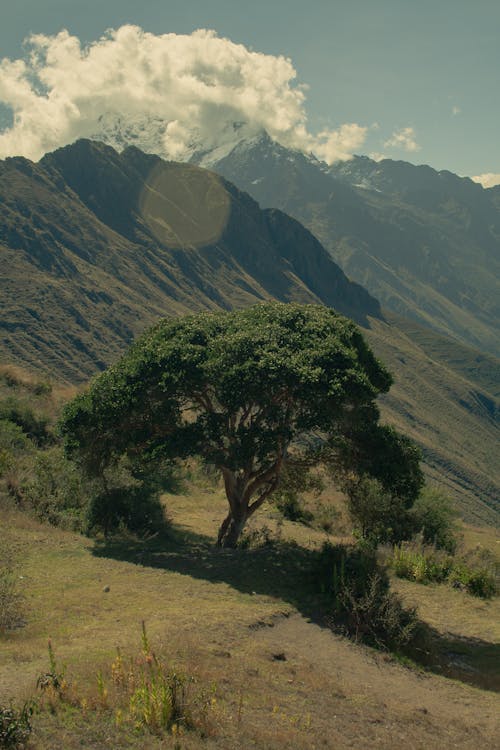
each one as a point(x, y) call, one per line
point(170, 90)
point(403, 139)
point(455, 110)
point(488, 179)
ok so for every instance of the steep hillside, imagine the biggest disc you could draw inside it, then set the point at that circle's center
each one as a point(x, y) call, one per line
point(425, 243)
point(95, 246)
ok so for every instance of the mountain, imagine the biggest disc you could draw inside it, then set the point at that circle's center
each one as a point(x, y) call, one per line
point(425, 243)
point(97, 245)
point(109, 242)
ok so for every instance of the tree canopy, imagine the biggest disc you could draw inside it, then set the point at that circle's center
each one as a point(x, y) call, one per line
point(242, 389)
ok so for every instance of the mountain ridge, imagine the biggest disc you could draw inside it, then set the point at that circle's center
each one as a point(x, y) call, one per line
point(425, 243)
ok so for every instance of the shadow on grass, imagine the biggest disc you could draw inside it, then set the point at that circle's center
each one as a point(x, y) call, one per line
point(284, 570)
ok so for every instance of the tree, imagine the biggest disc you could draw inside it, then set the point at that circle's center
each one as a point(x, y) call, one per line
point(237, 388)
point(379, 470)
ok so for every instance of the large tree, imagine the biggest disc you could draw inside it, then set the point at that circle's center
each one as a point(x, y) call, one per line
point(245, 390)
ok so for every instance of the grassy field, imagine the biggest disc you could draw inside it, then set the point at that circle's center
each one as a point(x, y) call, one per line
point(245, 625)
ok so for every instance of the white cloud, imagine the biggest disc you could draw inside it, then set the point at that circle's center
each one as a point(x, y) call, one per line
point(194, 87)
point(455, 110)
point(405, 139)
point(488, 179)
point(377, 156)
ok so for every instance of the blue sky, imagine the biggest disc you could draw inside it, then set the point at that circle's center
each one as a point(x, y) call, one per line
point(422, 77)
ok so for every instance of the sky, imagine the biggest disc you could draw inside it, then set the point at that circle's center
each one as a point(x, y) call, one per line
point(409, 80)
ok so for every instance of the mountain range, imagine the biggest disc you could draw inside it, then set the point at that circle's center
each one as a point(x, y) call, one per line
point(97, 245)
point(425, 243)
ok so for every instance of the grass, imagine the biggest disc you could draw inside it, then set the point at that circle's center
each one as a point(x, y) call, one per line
point(241, 621)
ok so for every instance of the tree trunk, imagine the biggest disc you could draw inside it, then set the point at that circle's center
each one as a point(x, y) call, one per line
point(230, 530)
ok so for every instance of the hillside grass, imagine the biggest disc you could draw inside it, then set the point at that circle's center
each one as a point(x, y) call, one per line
point(246, 626)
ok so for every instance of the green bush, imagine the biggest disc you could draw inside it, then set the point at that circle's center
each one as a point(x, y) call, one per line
point(359, 599)
point(424, 565)
point(136, 509)
point(35, 426)
point(56, 491)
point(377, 515)
point(291, 507)
point(295, 480)
point(478, 582)
point(15, 725)
point(434, 517)
point(427, 565)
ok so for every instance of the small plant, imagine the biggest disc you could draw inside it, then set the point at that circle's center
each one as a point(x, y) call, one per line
point(15, 725)
point(52, 682)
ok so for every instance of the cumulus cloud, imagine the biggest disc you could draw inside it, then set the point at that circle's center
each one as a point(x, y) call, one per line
point(405, 139)
point(488, 179)
point(189, 89)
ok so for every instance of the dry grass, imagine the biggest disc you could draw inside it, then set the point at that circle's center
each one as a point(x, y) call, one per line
point(238, 620)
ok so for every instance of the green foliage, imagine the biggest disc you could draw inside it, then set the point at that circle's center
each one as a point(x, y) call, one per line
point(139, 693)
point(378, 515)
point(234, 388)
point(428, 565)
point(55, 490)
point(360, 601)
point(380, 452)
point(15, 725)
point(53, 680)
point(479, 582)
point(136, 509)
point(34, 426)
point(434, 517)
point(296, 479)
point(424, 565)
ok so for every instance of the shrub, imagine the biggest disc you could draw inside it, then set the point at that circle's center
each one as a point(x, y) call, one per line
point(135, 508)
point(378, 515)
point(421, 564)
point(291, 507)
point(478, 582)
point(427, 565)
point(434, 517)
point(357, 591)
point(15, 725)
point(56, 490)
point(296, 479)
point(35, 426)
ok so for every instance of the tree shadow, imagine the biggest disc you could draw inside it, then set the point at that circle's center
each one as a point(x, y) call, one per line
point(285, 570)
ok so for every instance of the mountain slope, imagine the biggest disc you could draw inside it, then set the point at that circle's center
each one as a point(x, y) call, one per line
point(111, 242)
point(425, 243)
point(95, 246)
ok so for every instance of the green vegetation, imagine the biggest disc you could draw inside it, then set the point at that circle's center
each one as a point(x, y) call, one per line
point(417, 562)
point(434, 517)
point(248, 391)
point(137, 694)
point(15, 725)
point(360, 600)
